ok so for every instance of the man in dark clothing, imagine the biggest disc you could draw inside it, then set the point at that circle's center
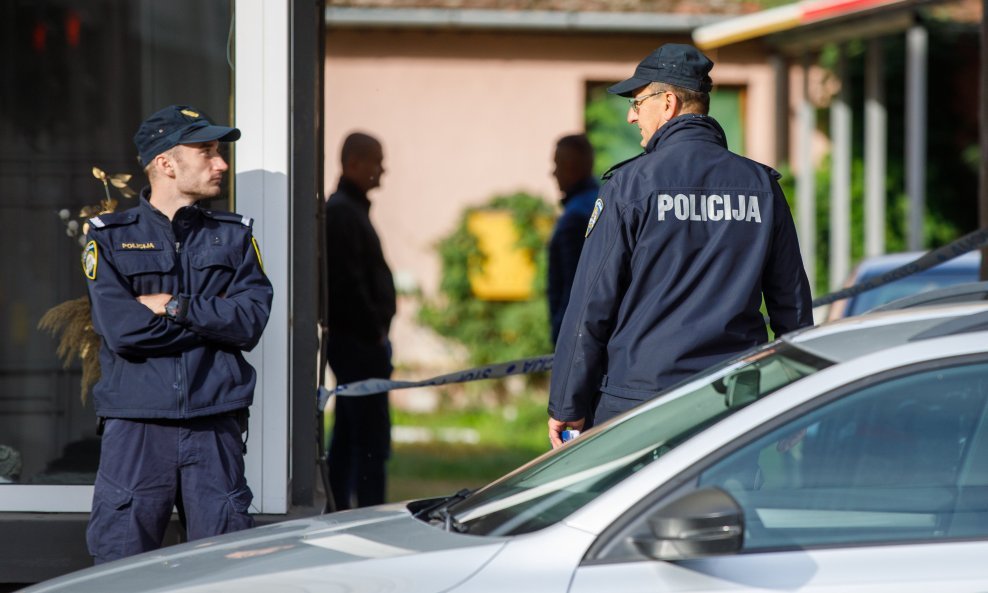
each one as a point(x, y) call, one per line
point(361, 306)
point(683, 243)
point(178, 293)
point(574, 174)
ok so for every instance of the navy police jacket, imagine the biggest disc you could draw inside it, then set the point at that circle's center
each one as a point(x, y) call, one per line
point(192, 365)
point(564, 249)
point(684, 242)
point(362, 298)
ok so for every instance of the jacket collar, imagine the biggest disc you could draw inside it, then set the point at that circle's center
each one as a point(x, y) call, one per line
point(579, 188)
point(356, 195)
point(689, 126)
point(187, 212)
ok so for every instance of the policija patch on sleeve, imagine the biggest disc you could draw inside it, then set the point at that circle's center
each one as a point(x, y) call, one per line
point(90, 259)
point(598, 207)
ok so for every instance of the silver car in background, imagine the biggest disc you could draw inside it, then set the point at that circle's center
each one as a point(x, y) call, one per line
point(848, 457)
point(960, 270)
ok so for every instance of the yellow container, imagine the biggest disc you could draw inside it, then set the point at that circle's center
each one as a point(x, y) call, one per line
point(507, 271)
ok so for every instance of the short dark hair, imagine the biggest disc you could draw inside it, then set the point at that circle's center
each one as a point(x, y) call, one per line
point(580, 145)
point(693, 101)
point(357, 145)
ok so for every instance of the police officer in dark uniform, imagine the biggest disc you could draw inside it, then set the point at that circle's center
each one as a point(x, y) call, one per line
point(178, 293)
point(361, 306)
point(574, 173)
point(684, 242)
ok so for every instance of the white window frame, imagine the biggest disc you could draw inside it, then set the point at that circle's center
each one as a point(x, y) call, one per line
point(261, 91)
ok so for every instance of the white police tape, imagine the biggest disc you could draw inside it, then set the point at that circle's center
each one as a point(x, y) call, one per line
point(543, 363)
point(522, 366)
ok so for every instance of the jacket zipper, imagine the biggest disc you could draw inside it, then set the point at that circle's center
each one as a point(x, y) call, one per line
point(180, 361)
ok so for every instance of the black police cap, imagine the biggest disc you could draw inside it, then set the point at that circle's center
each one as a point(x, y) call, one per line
point(174, 125)
point(674, 63)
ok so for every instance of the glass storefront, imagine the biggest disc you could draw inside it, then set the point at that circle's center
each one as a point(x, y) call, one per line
point(76, 79)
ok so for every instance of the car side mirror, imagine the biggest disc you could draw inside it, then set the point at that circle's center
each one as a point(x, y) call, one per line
point(704, 522)
point(743, 388)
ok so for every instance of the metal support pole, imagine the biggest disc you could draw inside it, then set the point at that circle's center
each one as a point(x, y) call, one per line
point(876, 146)
point(780, 69)
point(840, 179)
point(917, 45)
point(983, 120)
point(805, 177)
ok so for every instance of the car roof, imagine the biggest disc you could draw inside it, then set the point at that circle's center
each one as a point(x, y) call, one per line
point(970, 292)
point(879, 264)
point(852, 337)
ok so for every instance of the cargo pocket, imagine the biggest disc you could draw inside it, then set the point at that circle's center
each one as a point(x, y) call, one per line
point(108, 533)
point(232, 364)
point(238, 506)
point(215, 267)
point(146, 271)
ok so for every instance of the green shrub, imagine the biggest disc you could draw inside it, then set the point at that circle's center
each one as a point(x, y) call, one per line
point(493, 331)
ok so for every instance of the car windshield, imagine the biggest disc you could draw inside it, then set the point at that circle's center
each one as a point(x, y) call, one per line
point(551, 487)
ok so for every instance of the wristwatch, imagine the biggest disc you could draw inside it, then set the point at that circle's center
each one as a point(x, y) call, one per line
point(172, 308)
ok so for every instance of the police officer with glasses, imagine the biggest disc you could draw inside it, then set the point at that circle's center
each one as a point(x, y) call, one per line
point(683, 243)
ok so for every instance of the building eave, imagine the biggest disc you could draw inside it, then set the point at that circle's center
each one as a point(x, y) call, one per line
point(522, 20)
point(824, 18)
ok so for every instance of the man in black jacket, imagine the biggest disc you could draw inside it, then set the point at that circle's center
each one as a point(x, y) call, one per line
point(683, 243)
point(361, 306)
point(574, 174)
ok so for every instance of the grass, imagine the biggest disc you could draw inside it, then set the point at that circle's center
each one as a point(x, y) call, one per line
point(418, 470)
point(509, 432)
point(508, 436)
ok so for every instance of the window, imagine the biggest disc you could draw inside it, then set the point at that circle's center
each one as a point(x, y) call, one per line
point(614, 140)
point(605, 116)
point(903, 460)
point(76, 79)
point(727, 105)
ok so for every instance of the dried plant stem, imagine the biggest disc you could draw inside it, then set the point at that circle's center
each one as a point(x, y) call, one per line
point(72, 324)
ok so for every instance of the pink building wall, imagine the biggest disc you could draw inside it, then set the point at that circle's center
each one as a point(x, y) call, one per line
point(464, 116)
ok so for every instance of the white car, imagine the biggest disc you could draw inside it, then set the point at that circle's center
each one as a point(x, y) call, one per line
point(849, 457)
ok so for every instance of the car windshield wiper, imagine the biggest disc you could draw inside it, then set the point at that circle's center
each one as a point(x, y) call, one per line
point(449, 522)
point(440, 512)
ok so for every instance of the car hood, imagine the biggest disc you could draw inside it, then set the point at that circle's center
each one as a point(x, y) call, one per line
point(377, 549)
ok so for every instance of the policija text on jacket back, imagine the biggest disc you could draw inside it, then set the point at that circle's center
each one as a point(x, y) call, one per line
point(683, 243)
point(178, 293)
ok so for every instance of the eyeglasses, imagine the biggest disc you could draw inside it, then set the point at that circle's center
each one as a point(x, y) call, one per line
point(636, 103)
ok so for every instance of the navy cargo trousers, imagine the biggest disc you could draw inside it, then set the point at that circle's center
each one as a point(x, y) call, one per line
point(147, 467)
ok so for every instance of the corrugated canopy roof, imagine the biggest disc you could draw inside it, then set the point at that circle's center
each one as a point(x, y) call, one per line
point(651, 16)
point(699, 7)
point(810, 23)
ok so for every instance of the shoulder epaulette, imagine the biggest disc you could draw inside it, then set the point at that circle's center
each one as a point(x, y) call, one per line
point(610, 172)
point(772, 172)
point(230, 217)
point(113, 219)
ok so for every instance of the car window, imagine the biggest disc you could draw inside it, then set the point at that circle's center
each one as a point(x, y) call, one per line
point(553, 486)
point(910, 285)
point(902, 460)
